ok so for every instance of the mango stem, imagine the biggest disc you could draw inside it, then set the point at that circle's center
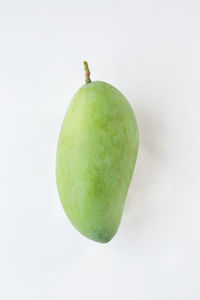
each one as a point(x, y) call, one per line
point(87, 72)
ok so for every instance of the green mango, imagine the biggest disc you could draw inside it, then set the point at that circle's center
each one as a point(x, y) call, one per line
point(96, 155)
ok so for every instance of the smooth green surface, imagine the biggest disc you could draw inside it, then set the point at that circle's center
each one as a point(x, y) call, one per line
point(96, 155)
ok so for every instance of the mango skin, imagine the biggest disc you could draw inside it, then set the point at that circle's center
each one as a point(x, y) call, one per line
point(96, 155)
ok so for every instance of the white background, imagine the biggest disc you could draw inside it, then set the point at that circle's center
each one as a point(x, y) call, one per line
point(150, 50)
